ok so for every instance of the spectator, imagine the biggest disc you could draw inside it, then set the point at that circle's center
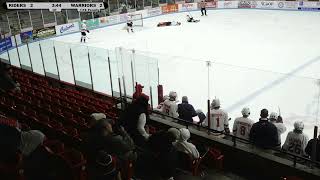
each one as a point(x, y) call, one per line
point(186, 110)
point(6, 82)
point(163, 153)
point(10, 139)
point(175, 133)
point(30, 141)
point(242, 125)
point(218, 119)
point(296, 140)
point(94, 117)
point(308, 149)
point(134, 120)
point(263, 133)
point(279, 125)
point(170, 106)
point(102, 137)
point(104, 167)
point(184, 146)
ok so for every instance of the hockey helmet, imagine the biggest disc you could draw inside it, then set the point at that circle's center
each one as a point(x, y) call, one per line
point(215, 103)
point(173, 95)
point(245, 111)
point(273, 115)
point(298, 125)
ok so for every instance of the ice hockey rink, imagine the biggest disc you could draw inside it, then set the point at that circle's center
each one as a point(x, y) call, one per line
point(259, 59)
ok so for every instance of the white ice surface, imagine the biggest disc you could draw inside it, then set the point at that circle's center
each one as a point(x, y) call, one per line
point(252, 51)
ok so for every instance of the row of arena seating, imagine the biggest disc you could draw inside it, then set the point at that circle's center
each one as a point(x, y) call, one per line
point(61, 112)
point(73, 160)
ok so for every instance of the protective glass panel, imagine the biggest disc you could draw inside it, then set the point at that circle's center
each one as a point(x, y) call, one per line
point(24, 19)
point(81, 66)
point(49, 60)
point(100, 70)
point(124, 58)
point(147, 3)
point(64, 61)
point(14, 57)
point(114, 6)
point(114, 71)
point(155, 3)
point(36, 57)
point(24, 57)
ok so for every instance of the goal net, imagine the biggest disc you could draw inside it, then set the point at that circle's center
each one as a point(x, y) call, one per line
point(136, 19)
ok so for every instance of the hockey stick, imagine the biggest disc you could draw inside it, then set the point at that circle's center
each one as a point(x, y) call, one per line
point(279, 111)
point(188, 11)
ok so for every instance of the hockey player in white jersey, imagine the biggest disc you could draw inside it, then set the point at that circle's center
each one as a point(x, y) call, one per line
point(170, 106)
point(273, 117)
point(218, 118)
point(296, 140)
point(83, 31)
point(242, 125)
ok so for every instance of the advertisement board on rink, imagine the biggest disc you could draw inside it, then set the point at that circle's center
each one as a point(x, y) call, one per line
point(113, 19)
point(170, 8)
point(247, 4)
point(67, 28)
point(227, 4)
point(188, 7)
point(210, 4)
point(286, 5)
point(266, 4)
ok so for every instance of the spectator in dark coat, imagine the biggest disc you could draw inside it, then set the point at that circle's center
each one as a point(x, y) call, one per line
point(134, 120)
point(263, 133)
point(161, 160)
point(102, 137)
point(308, 149)
point(186, 110)
point(6, 82)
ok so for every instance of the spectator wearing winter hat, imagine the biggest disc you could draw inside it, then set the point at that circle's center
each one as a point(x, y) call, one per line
point(263, 133)
point(30, 140)
point(6, 81)
point(218, 119)
point(104, 167)
point(184, 146)
point(175, 133)
point(94, 117)
point(279, 125)
point(186, 110)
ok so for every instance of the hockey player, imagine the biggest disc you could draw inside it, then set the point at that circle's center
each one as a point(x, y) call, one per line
point(170, 106)
point(279, 125)
point(190, 19)
point(129, 25)
point(169, 23)
point(203, 8)
point(84, 31)
point(296, 140)
point(218, 119)
point(242, 125)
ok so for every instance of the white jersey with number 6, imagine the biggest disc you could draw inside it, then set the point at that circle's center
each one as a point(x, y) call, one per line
point(296, 143)
point(170, 108)
point(218, 120)
point(242, 127)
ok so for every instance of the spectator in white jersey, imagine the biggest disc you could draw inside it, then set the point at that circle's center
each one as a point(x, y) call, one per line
point(279, 125)
point(242, 125)
point(218, 118)
point(296, 140)
point(170, 106)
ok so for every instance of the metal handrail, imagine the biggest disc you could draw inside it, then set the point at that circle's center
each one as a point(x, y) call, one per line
point(234, 138)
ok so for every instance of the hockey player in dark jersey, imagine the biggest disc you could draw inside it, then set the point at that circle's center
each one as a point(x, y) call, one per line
point(129, 26)
point(190, 19)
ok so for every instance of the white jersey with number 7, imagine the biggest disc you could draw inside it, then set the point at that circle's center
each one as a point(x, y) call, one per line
point(218, 120)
